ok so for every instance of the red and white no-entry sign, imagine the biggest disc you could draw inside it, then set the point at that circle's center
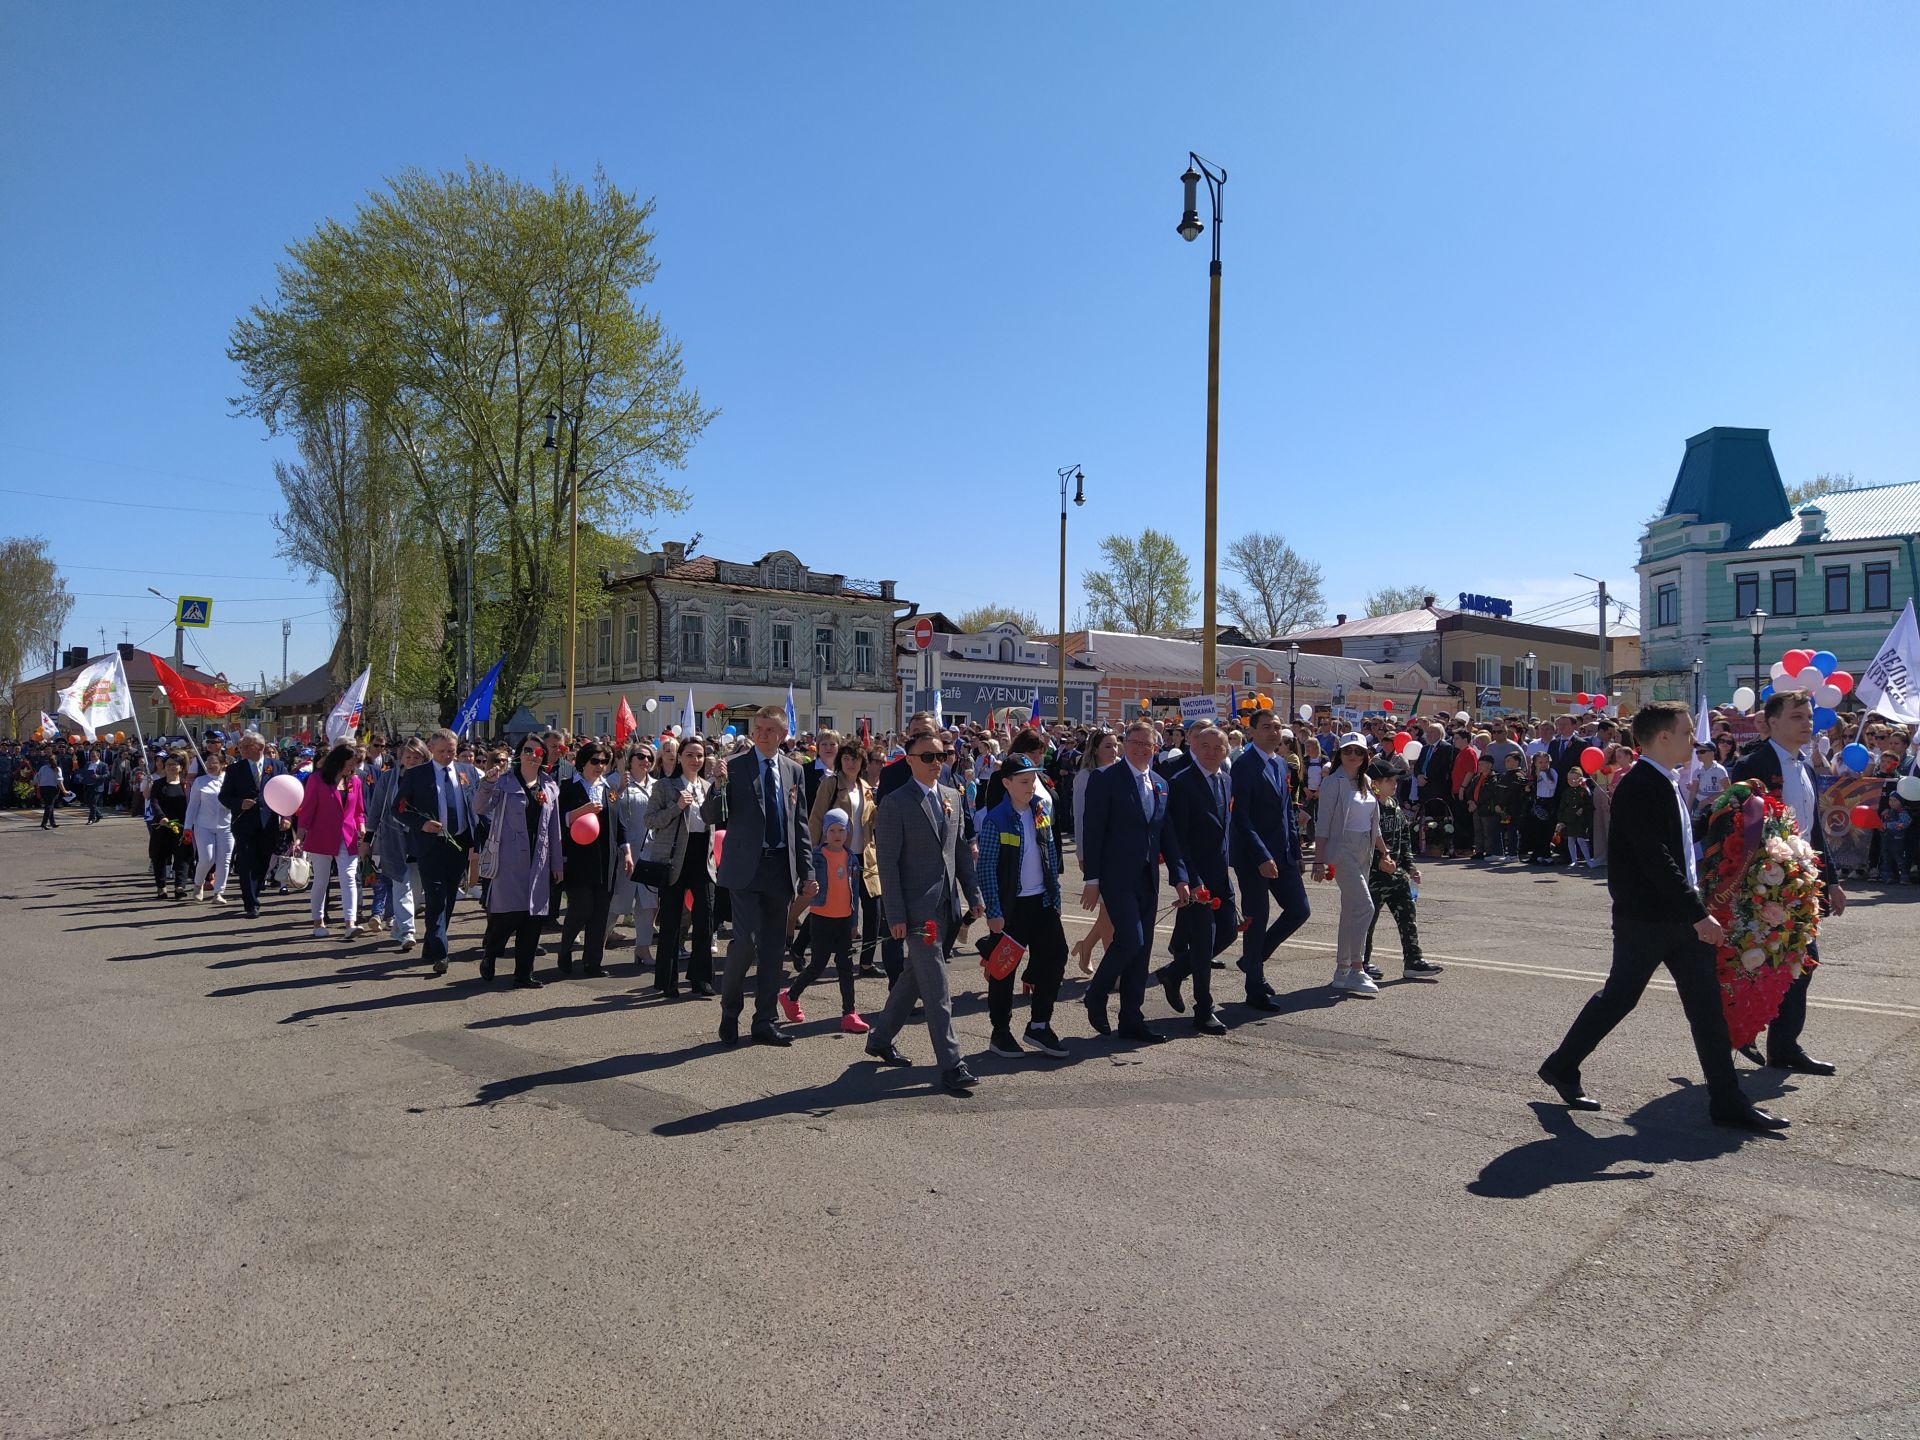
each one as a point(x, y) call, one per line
point(922, 633)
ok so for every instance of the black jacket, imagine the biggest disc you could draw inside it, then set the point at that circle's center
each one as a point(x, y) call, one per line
point(1201, 829)
point(1646, 861)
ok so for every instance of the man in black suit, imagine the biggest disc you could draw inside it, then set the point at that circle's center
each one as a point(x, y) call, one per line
point(256, 829)
point(1776, 763)
point(1433, 782)
point(1266, 853)
point(438, 813)
point(1658, 919)
point(1199, 804)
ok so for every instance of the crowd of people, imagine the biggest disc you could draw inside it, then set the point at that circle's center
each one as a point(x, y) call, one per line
point(886, 856)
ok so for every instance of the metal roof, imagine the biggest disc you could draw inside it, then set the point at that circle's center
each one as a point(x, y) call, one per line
point(1116, 652)
point(1728, 475)
point(1881, 512)
point(1401, 622)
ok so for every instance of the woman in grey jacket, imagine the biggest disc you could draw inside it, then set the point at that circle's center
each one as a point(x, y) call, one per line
point(681, 841)
point(632, 797)
point(1346, 839)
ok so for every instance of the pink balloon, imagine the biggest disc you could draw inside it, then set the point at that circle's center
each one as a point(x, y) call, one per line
point(1599, 702)
point(585, 828)
point(284, 794)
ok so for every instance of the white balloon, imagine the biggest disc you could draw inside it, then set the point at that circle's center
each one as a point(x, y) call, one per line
point(1743, 699)
point(1909, 788)
point(1827, 695)
point(1412, 751)
point(1777, 673)
point(673, 729)
point(1810, 679)
point(652, 705)
point(1463, 717)
point(1306, 714)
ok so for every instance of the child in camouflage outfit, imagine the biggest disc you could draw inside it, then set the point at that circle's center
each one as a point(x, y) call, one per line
point(1395, 892)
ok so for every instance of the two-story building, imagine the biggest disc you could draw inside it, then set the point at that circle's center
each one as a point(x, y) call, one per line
point(980, 675)
point(1727, 556)
point(733, 633)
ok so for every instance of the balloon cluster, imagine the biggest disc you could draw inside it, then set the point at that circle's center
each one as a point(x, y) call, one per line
point(1406, 747)
point(1816, 672)
point(1595, 702)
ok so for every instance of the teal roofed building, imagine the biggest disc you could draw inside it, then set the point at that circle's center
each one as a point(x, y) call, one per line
point(1728, 553)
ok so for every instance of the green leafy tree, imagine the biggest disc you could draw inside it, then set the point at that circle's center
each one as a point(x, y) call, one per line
point(34, 604)
point(1281, 587)
point(1825, 483)
point(1394, 598)
point(1143, 587)
point(451, 317)
point(984, 617)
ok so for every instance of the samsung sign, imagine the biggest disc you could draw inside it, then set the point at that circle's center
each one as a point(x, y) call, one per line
point(1486, 605)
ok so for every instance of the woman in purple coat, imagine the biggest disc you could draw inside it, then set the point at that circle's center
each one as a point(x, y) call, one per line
point(524, 842)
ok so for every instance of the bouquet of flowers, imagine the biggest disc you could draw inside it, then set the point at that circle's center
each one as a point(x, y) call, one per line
point(1762, 883)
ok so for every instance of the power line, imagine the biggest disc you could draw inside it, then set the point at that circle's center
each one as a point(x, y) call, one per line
point(138, 505)
point(190, 574)
point(64, 456)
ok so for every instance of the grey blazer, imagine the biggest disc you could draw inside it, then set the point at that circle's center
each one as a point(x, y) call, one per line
point(923, 876)
point(734, 806)
point(667, 824)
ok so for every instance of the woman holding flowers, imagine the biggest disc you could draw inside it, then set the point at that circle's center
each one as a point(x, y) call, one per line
point(166, 828)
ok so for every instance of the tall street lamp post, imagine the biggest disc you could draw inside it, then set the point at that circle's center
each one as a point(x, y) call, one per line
point(1189, 228)
point(1531, 657)
point(554, 418)
point(1293, 662)
point(1756, 627)
point(1698, 666)
point(1066, 473)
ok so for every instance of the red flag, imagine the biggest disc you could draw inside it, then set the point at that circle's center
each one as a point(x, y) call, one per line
point(624, 724)
point(190, 697)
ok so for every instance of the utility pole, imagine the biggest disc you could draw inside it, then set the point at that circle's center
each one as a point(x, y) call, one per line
point(286, 633)
point(1604, 688)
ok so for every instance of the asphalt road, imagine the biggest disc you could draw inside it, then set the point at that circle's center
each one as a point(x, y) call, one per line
point(258, 1184)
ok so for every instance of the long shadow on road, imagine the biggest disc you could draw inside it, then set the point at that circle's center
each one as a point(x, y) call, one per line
point(1672, 1129)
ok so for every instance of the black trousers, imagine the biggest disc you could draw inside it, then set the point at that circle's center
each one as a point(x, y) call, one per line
point(1641, 947)
point(1199, 933)
point(759, 940)
point(1036, 925)
point(832, 938)
point(252, 858)
point(49, 795)
point(1783, 1036)
point(523, 930)
point(588, 900)
point(692, 880)
point(168, 857)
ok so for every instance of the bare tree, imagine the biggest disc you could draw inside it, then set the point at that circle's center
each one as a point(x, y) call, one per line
point(1282, 591)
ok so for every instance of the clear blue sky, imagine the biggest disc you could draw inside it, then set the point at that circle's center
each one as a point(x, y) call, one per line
point(1487, 266)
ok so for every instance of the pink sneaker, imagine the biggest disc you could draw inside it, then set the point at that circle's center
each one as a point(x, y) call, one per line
point(790, 1008)
point(852, 1024)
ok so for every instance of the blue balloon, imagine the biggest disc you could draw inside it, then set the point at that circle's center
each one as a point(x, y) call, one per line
point(730, 730)
point(1766, 693)
point(1856, 758)
point(1823, 718)
point(1825, 661)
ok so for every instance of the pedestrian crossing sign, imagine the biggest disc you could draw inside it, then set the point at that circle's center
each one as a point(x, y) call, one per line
point(194, 611)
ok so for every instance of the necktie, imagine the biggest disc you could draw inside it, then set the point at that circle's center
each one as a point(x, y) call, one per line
point(1219, 797)
point(935, 814)
point(770, 802)
point(456, 822)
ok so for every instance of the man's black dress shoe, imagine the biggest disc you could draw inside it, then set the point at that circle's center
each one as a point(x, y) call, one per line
point(1097, 1017)
point(1750, 1117)
point(702, 990)
point(1750, 1051)
point(1170, 983)
point(1263, 1001)
point(959, 1080)
point(1569, 1091)
point(771, 1035)
point(486, 967)
point(887, 1053)
point(527, 982)
point(594, 972)
point(729, 1030)
point(1209, 1025)
point(1804, 1064)
point(1145, 1034)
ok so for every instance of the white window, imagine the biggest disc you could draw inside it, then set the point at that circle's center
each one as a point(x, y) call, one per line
point(1590, 679)
point(739, 642)
point(782, 645)
point(630, 641)
point(603, 643)
point(600, 726)
point(1486, 670)
point(863, 652)
point(1521, 675)
point(693, 640)
point(1560, 677)
point(1246, 677)
point(553, 720)
point(823, 650)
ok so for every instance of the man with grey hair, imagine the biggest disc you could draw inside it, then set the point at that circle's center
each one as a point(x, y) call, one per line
point(438, 813)
point(256, 829)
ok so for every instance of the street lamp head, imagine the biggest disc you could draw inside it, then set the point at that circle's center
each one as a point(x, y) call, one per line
point(1698, 664)
point(1757, 623)
point(553, 426)
point(1190, 226)
point(1293, 654)
point(1079, 487)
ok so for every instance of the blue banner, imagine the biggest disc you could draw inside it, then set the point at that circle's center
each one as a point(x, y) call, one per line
point(477, 708)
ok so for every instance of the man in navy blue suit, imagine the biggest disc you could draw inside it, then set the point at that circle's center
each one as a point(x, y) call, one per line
point(1199, 804)
point(438, 813)
point(1266, 853)
point(1124, 814)
point(256, 829)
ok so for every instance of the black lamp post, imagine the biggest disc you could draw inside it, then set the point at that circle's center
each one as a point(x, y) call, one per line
point(1189, 229)
point(1756, 627)
point(1293, 660)
point(1066, 473)
point(1698, 666)
point(1531, 657)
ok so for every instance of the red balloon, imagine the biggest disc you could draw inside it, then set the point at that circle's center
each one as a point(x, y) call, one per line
point(1400, 741)
point(1865, 817)
point(1592, 758)
point(1841, 681)
point(1386, 705)
point(1796, 660)
point(585, 828)
point(1599, 702)
point(1582, 698)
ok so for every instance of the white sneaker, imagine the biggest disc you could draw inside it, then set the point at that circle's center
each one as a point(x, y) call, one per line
point(1340, 979)
point(353, 932)
point(220, 899)
point(319, 932)
point(1361, 983)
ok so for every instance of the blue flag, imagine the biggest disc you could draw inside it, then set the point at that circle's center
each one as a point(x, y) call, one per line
point(1233, 704)
point(477, 708)
point(793, 725)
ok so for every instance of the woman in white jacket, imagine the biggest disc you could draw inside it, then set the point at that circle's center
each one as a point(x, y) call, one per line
point(211, 825)
point(1346, 838)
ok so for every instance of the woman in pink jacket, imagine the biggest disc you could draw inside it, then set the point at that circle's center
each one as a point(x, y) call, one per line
point(329, 821)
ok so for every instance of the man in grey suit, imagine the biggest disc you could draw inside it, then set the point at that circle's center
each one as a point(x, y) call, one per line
point(927, 888)
point(761, 804)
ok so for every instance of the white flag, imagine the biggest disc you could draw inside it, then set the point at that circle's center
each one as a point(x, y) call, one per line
point(344, 719)
point(1703, 722)
point(49, 725)
point(99, 695)
point(687, 726)
point(1890, 686)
